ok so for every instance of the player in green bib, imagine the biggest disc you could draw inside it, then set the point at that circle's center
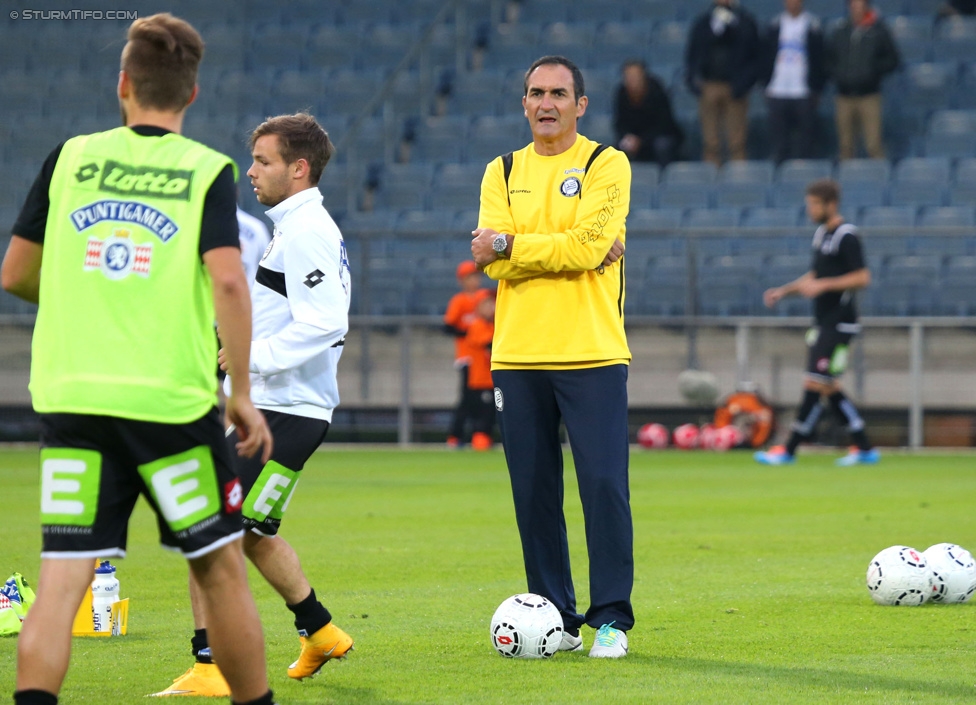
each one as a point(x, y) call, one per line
point(128, 243)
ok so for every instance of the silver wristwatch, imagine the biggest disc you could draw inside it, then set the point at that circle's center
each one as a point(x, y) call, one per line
point(499, 244)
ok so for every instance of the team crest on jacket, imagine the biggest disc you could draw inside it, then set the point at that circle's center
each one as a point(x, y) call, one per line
point(499, 400)
point(117, 256)
point(570, 187)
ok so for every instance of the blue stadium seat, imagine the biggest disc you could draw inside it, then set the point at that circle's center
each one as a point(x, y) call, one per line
point(654, 219)
point(726, 218)
point(862, 194)
point(920, 181)
point(906, 296)
point(329, 46)
point(803, 171)
point(962, 192)
point(743, 195)
point(598, 127)
point(565, 37)
point(689, 173)
point(913, 35)
point(405, 185)
point(957, 295)
point(888, 217)
point(425, 225)
point(373, 225)
point(965, 94)
point(857, 170)
point(684, 195)
point(645, 175)
point(927, 86)
point(662, 295)
point(668, 40)
point(728, 296)
point(950, 145)
point(956, 216)
point(596, 11)
point(955, 39)
point(770, 218)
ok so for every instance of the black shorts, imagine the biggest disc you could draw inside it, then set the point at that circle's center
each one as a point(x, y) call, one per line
point(93, 469)
point(827, 353)
point(268, 488)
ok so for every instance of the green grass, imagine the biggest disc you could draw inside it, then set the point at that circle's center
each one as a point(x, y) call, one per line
point(749, 584)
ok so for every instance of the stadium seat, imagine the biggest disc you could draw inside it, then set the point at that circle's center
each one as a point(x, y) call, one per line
point(955, 39)
point(725, 218)
point(861, 195)
point(965, 95)
point(668, 40)
point(913, 35)
point(654, 219)
point(950, 145)
point(803, 171)
point(598, 127)
point(956, 216)
point(424, 225)
point(405, 185)
point(684, 195)
point(920, 181)
point(689, 173)
point(770, 218)
point(863, 170)
point(742, 195)
point(957, 295)
point(329, 46)
point(927, 86)
point(888, 217)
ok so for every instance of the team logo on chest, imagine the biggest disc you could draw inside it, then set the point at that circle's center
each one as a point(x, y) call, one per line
point(117, 256)
point(570, 187)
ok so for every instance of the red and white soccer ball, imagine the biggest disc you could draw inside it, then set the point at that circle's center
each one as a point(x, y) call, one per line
point(526, 626)
point(686, 436)
point(900, 575)
point(707, 436)
point(727, 437)
point(653, 435)
point(953, 571)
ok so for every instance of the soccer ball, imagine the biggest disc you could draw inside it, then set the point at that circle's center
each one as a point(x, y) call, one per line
point(954, 571)
point(653, 435)
point(707, 436)
point(900, 575)
point(526, 626)
point(727, 437)
point(686, 436)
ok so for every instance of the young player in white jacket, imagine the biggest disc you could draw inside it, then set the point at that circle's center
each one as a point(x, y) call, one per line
point(300, 303)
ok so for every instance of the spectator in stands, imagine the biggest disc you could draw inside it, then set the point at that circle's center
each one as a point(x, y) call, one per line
point(643, 123)
point(859, 54)
point(460, 313)
point(838, 270)
point(792, 69)
point(954, 8)
point(721, 66)
point(480, 398)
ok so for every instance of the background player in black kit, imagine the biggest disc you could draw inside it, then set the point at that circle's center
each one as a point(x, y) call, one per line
point(838, 270)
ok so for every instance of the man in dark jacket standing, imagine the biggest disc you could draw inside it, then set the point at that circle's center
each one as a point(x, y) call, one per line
point(792, 69)
point(643, 123)
point(721, 64)
point(860, 53)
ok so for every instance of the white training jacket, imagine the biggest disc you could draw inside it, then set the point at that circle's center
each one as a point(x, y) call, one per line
point(300, 311)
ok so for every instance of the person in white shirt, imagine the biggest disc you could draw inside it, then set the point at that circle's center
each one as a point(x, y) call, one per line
point(300, 309)
point(255, 239)
point(792, 68)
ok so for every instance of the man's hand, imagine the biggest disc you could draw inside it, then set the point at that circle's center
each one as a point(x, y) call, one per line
point(772, 296)
point(616, 252)
point(630, 144)
point(481, 250)
point(222, 360)
point(251, 428)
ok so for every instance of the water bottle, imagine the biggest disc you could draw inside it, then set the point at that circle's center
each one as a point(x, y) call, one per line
point(105, 592)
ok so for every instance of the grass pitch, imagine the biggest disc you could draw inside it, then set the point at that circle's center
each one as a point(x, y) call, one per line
point(749, 584)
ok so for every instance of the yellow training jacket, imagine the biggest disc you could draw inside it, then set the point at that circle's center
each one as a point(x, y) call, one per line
point(557, 307)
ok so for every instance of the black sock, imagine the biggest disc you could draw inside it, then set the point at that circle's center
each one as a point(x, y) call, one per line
point(806, 420)
point(266, 699)
point(199, 643)
point(847, 412)
point(35, 697)
point(310, 615)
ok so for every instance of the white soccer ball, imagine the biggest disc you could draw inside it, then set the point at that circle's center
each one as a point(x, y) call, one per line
point(954, 572)
point(900, 575)
point(526, 626)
